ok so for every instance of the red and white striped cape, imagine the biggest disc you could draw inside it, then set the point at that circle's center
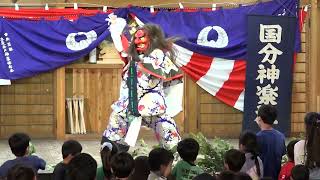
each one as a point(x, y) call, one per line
point(223, 78)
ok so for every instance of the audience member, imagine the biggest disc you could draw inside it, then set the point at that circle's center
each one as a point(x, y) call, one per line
point(107, 151)
point(242, 176)
point(285, 171)
point(188, 150)
point(234, 160)
point(160, 162)
point(21, 172)
point(226, 175)
point(69, 149)
point(122, 165)
point(141, 168)
point(204, 176)
point(249, 145)
point(19, 143)
point(82, 167)
point(307, 151)
point(271, 142)
point(300, 172)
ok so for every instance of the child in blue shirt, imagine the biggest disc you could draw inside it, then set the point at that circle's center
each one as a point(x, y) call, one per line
point(19, 145)
point(270, 141)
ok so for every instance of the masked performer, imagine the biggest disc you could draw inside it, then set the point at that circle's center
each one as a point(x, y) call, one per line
point(142, 98)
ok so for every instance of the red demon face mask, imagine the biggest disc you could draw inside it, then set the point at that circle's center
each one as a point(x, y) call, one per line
point(141, 40)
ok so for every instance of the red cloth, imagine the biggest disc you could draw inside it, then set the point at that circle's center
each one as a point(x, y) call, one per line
point(302, 17)
point(285, 171)
point(51, 14)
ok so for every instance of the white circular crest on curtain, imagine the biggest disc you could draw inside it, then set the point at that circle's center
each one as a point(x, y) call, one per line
point(74, 45)
point(221, 42)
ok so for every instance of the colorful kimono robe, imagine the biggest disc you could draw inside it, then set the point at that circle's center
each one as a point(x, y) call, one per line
point(153, 72)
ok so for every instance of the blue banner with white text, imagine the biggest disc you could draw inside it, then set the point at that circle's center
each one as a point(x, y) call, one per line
point(29, 47)
point(269, 69)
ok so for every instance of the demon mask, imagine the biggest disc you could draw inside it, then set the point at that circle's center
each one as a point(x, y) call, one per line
point(141, 41)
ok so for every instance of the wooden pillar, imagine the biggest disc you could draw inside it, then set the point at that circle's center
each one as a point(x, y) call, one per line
point(192, 106)
point(313, 79)
point(59, 78)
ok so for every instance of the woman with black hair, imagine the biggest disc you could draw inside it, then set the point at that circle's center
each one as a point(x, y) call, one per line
point(307, 152)
point(253, 165)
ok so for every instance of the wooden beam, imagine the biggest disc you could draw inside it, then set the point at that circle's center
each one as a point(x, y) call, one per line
point(192, 106)
point(313, 80)
point(59, 78)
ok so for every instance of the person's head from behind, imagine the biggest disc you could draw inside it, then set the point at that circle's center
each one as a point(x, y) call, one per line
point(69, 149)
point(267, 114)
point(122, 165)
point(141, 168)
point(107, 151)
point(242, 176)
point(248, 142)
point(226, 175)
point(234, 160)
point(19, 143)
point(82, 167)
point(300, 172)
point(21, 172)
point(160, 160)
point(290, 150)
point(188, 149)
point(312, 122)
point(204, 176)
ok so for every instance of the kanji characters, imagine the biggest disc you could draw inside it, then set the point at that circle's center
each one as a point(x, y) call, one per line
point(270, 33)
point(267, 94)
point(271, 53)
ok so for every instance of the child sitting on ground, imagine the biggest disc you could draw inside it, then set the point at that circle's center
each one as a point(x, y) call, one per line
point(141, 168)
point(21, 172)
point(234, 160)
point(188, 150)
point(300, 172)
point(285, 171)
point(253, 166)
point(82, 167)
point(122, 165)
point(226, 175)
point(69, 149)
point(160, 162)
point(108, 150)
point(19, 145)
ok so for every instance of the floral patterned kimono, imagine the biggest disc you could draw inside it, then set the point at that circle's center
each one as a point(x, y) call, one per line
point(153, 72)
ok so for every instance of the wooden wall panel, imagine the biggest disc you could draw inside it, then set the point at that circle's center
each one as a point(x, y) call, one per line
point(35, 131)
point(300, 86)
point(28, 106)
point(221, 130)
point(38, 119)
point(100, 88)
